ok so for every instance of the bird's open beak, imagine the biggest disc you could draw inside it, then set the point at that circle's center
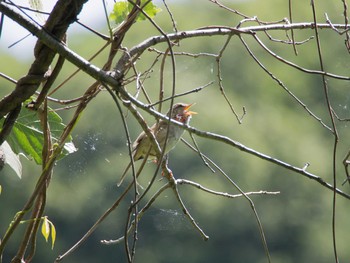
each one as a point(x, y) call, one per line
point(188, 112)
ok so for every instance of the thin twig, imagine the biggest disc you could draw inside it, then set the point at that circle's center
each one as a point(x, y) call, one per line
point(139, 215)
point(291, 21)
point(8, 78)
point(281, 84)
point(201, 154)
point(346, 18)
point(242, 193)
point(171, 16)
point(184, 209)
point(198, 89)
point(229, 9)
point(219, 76)
point(210, 191)
point(78, 70)
point(194, 55)
point(95, 225)
point(116, 203)
point(289, 63)
point(41, 199)
point(335, 132)
point(260, 227)
point(160, 154)
point(346, 163)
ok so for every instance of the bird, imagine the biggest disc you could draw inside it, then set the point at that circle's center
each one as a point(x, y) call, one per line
point(143, 146)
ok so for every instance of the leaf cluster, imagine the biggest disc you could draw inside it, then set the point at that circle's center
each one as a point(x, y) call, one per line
point(122, 9)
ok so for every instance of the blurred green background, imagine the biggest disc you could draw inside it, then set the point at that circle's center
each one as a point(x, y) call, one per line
point(297, 222)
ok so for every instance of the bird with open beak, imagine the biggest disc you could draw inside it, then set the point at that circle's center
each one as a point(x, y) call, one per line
point(143, 146)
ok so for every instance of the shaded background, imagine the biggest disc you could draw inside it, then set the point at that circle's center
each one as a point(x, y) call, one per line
point(297, 222)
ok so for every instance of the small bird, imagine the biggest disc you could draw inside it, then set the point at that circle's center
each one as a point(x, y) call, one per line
point(142, 145)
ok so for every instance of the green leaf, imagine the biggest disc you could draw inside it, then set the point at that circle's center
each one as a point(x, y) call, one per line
point(120, 12)
point(27, 136)
point(150, 9)
point(122, 8)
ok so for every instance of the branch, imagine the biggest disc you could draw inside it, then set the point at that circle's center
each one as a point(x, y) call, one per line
point(218, 31)
point(210, 191)
point(63, 14)
point(334, 128)
point(98, 74)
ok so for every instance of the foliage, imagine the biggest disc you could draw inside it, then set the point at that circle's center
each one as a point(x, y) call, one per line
point(27, 135)
point(48, 228)
point(122, 9)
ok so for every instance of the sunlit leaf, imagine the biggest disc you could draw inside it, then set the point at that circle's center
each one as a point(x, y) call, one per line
point(27, 134)
point(69, 147)
point(122, 8)
point(120, 11)
point(53, 234)
point(11, 158)
point(150, 9)
point(45, 228)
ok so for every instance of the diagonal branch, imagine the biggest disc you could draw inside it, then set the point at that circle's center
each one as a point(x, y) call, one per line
point(63, 14)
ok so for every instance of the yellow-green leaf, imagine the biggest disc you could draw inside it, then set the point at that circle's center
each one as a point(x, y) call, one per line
point(45, 228)
point(150, 9)
point(122, 8)
point(120, 11)
point(53, 234)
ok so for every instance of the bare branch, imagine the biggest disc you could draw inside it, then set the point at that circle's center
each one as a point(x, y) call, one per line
point(334, 131)
point(280, 83)
point(207, 190)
